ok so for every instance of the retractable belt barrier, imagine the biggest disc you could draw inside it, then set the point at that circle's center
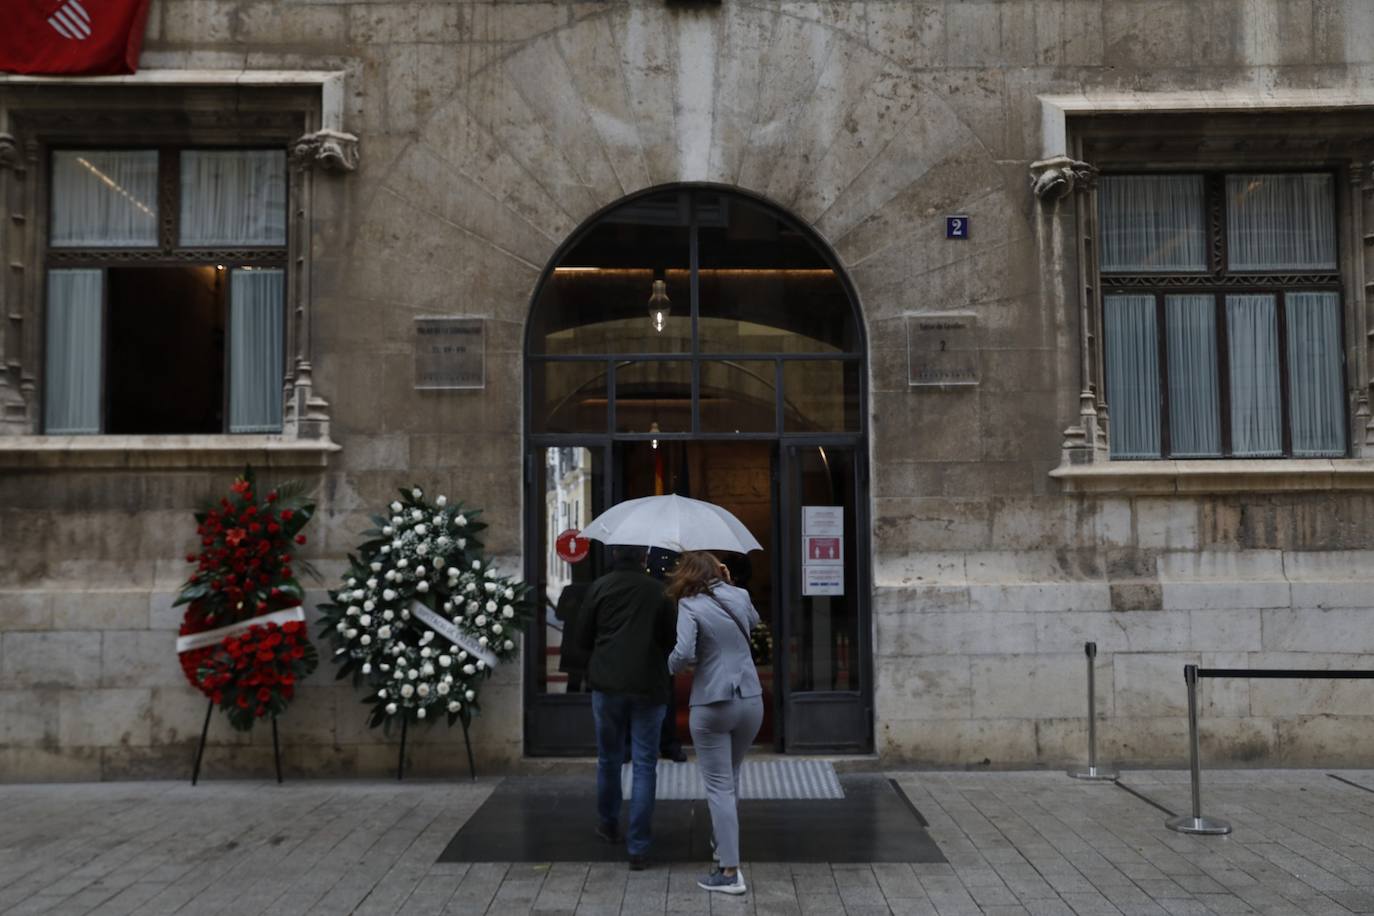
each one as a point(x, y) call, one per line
point(1212, 826)
point(1092, 771)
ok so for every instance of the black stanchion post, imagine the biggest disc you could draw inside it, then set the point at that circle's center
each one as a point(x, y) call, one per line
point(401, 763)
point(200, 748)
point(1195, 823)
point(276, 749)
point(1093, 772)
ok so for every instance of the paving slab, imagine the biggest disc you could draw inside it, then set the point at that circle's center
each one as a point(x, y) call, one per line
point(1037, 844)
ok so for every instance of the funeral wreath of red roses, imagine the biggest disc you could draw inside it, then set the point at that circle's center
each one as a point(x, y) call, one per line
point(243, 640)
point(422, 618)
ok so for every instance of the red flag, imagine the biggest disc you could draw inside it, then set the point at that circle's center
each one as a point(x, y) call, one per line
point(74, 37)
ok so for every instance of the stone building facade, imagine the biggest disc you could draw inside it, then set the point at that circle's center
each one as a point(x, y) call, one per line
point(441, 156)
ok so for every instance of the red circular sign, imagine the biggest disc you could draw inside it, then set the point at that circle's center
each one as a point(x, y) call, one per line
point(572, 548)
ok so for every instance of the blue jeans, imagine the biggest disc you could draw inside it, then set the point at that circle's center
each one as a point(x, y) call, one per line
point(615, 714)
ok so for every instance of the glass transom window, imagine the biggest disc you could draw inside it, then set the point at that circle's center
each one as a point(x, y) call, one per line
point(1222, 315)
point(689, 312)
point(165, 292)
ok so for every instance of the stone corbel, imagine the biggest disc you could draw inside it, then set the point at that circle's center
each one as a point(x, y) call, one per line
point(332, 150)
point(1056, 178)
point(10, 155)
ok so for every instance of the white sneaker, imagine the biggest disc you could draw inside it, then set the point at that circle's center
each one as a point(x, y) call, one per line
point(720, 882)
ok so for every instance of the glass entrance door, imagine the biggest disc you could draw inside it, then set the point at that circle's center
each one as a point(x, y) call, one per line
point(702, 342)
point(826, 666)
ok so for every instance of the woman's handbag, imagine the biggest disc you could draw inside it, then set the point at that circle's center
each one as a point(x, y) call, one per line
point(761, 644)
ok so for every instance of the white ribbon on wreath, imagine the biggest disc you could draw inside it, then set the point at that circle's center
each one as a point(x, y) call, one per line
point(200, 640)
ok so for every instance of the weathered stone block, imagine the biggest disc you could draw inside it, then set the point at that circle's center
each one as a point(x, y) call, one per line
point(1040, 597)
point(198, 21)
point(1220, 630)
point(176, 715)
point(1136, 596)
point(920, 600)
point(1189, 596)
point(376, 453)
point(1150, 685)
point(963, 743)
point(1302, 630)
point(1347, 593)
point(63, 660)
point(32, 764)
point(1026, 687)
point(928, 687)
point(100, 610)
point(26, 718)
point(139, 658)
point(1170, 524)
point(104, 717)
point(1131, 631)
point(961, 633)
point(919, 569)
point(268, 23)
point(1331, 741)
point(23, 609)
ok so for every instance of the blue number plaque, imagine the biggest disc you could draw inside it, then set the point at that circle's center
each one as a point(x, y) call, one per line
point(956, 227)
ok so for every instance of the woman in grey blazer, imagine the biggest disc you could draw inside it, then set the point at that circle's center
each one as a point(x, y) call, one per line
point(713, 623)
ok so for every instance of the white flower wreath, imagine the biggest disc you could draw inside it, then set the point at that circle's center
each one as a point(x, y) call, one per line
point(422, 619)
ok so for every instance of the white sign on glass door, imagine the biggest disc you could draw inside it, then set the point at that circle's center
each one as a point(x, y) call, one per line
point(822, 550)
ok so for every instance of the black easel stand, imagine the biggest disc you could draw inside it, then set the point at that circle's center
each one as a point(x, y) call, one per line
point(276, 749)
point(205, 731)
point(200, 750)
point(467, 741)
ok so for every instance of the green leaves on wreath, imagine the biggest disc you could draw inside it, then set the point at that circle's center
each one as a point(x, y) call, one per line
point(420, 617)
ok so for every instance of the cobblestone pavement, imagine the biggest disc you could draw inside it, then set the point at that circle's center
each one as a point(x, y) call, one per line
point(1017, 843)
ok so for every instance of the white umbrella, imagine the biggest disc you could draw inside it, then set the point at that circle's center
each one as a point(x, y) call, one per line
point(672, 522)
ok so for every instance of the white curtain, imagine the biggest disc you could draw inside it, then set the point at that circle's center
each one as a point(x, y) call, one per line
point(1315, 377)
point(233, 197)
point(1194, 407)
point(72, 371)
point(1281, 222)
point(1253, 350)
point(1133, 375)
point(104, 198)
point(256, 326)
point(1152, 223)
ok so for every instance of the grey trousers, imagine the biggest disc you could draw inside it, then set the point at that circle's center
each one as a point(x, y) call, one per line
point(722, 733)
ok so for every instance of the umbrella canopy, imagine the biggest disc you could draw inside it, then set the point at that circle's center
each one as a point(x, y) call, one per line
point(672, 522)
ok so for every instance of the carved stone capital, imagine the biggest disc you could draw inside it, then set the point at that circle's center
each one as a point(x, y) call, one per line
point(1057, 178)
point(332, 150)
point(10, 154)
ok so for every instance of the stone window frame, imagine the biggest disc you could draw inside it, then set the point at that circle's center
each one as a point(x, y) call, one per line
point(300, 111)
point(1211, 131)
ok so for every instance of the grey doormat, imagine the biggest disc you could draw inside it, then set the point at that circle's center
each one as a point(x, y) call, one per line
point(792, 780)
point(551, 818)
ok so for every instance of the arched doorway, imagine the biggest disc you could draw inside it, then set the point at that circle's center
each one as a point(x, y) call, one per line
point(699, 341)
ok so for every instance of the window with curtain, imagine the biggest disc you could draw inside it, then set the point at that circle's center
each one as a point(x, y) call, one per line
point(1221, 315)
point(166, 291)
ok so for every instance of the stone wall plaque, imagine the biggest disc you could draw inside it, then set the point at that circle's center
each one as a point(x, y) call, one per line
point(450, 353)
point(942, 349)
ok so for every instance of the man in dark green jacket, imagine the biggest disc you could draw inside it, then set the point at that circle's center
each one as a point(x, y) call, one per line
point(627, 626)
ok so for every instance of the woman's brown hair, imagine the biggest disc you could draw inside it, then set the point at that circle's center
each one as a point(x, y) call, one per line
point(697, 571)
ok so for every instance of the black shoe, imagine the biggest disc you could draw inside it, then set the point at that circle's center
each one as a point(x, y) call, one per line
point(639, 863)
point(675, 754)
point(608, 832)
